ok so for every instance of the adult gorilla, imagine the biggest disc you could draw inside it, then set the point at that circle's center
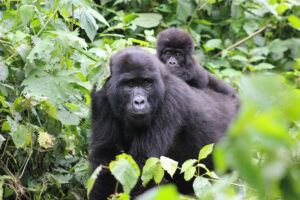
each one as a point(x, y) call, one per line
point(175, 48)
point(145, 111)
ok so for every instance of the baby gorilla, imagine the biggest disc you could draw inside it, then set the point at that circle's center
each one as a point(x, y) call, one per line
point(175, 48)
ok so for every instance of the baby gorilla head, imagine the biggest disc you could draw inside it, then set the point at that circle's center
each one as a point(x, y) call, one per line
point(135, 88)
point(175, 47)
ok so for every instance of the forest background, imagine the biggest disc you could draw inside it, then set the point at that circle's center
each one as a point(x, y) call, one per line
point(53, 52)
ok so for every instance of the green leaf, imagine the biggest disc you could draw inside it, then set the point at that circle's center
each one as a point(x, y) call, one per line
point(207, 170)
point(210, 1)
point(3, 71)
point(213, 44)
point(126, 171)
point(55, 87)
point(147, 20)
point(26, 13)
point(98, 16)
point(50, 110)
point(87, 22)
point(169, 165)
point(262, 66)
point(166, 192)
point(200, 185)
point(148, 170)
point(92, 179)
point(239, 58)
point(189, 173)
point(295, 21)
point(250, 26)
point(187, 164)
point(158, 173)
point(45, 140)
point(281, 8)
point(68, 118)
point(21, 135)
point(2, 139)
point(184, 9)
point(205, 151)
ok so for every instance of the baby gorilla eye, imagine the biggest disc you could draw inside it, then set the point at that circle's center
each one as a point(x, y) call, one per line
point(179, 54)
point(168, 53)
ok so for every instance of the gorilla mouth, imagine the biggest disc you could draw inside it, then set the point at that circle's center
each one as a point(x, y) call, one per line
point(138, 115)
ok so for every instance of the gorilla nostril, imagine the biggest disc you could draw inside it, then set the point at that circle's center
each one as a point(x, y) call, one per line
point(139, 101)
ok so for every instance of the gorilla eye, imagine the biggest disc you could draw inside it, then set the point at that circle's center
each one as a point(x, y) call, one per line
point(147, 82)
point(131, 83)
point(179, 54)
point(168, 53)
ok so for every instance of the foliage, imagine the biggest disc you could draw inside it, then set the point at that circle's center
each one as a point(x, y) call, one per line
point(52, 52)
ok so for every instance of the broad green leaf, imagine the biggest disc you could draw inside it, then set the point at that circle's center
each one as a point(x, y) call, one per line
point(239, 58)
point(54, 87)
point(147, 20)
point(126, 171)
point(1, 188)
point(184, 9)
point(148, 170)
point(98, 16)
point(189, 173)
point(200, 185)
point(45, 140)
point(214, 43)
point(3, 71)
point(50, 110)
point(257, 58)
point(281, 8)
point(205, 151)
point(21, 135)
point(166, 192)
point(87, 22)
point(250, 26)
point(92, 179)
point(295, 21)
point(141, 42)
point(67, 118)
point(169, 165)
point(41, 51)
point(262, 66)
point(210, 1)
point(2, 139)
point(158, 173)
point(187, 164)
point(26, 13)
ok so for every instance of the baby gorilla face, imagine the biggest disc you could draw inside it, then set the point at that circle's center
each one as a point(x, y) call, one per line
point(173, 57)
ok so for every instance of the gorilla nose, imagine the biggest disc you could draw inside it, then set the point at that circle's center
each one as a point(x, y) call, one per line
point(139, 102)
point(172, 62)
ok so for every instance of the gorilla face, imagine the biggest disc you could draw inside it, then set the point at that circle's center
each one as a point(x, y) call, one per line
point(173, 57)
point(135, 91)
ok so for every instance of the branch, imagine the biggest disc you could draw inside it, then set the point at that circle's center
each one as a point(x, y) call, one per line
point(242, 41)
point(47, 22)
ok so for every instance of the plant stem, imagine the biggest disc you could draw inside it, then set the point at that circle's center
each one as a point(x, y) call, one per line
point(47, 22)
point(242, 41)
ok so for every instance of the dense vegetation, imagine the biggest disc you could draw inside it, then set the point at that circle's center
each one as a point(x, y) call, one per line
point(52, 52)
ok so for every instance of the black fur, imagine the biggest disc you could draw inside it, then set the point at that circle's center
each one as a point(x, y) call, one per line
point(179, 122)
point(174, 40)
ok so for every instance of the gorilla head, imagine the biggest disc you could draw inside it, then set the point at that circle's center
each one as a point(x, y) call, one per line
point(175, 48)
point(145, 111)
point(135, 88)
